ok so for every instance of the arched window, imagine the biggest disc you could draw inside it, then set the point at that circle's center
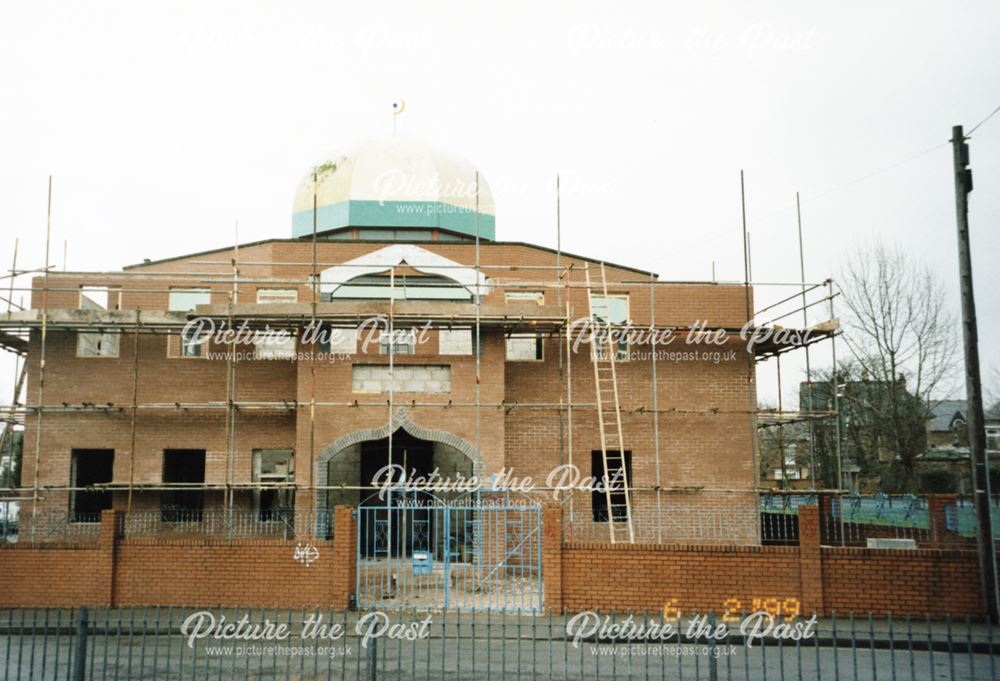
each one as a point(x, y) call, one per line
point(405, 287)
point(420, 274)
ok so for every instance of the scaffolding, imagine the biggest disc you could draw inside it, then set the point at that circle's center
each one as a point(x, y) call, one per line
point(567, 277)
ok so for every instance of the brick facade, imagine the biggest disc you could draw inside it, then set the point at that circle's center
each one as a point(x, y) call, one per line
point(704, 428)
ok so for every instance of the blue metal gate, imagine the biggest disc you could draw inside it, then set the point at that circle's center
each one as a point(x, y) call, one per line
point(478, 553)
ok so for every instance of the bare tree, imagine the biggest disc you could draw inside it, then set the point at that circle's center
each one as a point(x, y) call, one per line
point(991, 390)
point(779, 451)
point(902, 336)
point(859, 418)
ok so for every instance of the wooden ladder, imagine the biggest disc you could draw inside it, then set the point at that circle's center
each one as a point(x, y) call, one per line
point(604, 356)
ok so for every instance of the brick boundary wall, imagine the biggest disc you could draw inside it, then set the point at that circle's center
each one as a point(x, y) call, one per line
point(63, 575)
point(122, 572)
point(647, 578)
point(826, 580)
point(552, 558)
point(114, 571)
point(926, 582)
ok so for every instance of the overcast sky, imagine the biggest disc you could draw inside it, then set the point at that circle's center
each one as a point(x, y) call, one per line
point(163, 124)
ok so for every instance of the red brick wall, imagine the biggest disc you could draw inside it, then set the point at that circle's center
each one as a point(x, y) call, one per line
point(263, 572)
point(257, 572)
point(934, 582)
point(624, 577)
point(925, 582)
point(552, 558)
point(140, 571)
point(921, 583)
point(810, 559)
point(55, 576)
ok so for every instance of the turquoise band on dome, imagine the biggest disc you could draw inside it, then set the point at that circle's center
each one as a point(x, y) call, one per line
point(427, 214)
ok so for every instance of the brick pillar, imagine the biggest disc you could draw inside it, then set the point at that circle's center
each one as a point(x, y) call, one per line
point(828, 527)
point(937, 521)
point(810, 561)
point(345, 556)
point(106, 568)
point(552, 557)
point(304, 500)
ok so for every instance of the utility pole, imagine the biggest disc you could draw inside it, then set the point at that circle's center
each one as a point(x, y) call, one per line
point(973, 383)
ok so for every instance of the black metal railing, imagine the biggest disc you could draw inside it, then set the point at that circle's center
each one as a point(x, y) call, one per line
point(228, 523)
point(194, 643)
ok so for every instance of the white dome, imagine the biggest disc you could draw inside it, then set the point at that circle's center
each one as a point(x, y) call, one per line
point(394, 180)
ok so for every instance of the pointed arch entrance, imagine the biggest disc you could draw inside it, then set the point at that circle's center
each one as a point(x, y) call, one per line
point(341, 464)
point(419, 550)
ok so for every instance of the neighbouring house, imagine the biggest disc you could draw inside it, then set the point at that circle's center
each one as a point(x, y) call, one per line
point(945, 464)
point(946, 425)
point(992, 422)
point(862, 410)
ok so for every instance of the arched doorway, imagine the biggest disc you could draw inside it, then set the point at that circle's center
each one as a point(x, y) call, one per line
point(394, 524)
point(340, 468)
point(437, 550)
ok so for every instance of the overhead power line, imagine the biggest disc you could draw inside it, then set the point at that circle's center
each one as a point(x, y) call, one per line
point(992, 114)
point(874, 173)
point(850, 183)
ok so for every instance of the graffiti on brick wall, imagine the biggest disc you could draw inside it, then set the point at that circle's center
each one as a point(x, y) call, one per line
point(307, 554)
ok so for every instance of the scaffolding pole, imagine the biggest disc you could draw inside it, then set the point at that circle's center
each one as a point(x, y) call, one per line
point(134, 412)
point(477, 349)
point(569, 398)
point(7, 436)
point(218, 487)
point(656, 417)
point(231, 392)
point(836, 400)
point(293, 406)
point(41, 362)
point(314, 301)
point(392, 393)
point(13, 268)
point(751, 381)
point(559, 301)
point(805, 323)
